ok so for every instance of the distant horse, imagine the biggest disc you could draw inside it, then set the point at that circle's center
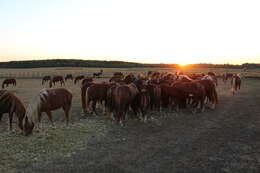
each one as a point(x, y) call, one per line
point(235, 83)
point(9, 81)
point(86, 80)
point(78, 78)
point(45, 79)
point(46, 101)
point(227, 76)
point(68, 76)
point(56, 79)
point(11, 104)
point(98, 74)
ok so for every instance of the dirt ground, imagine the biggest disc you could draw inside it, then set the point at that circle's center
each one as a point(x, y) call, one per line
point(222, 140)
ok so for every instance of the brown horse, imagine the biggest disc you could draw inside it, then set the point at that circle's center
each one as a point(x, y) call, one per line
point(141, 104)
point(236, 83)
point(98, 74)
point(155, 93)
point(68, 76)
point(120, 97)
point(10, 103)
point(211, 93)
point(45, 79)
point(56, 79)
point(46, 101)
point(78, 78)
point(86, 80)
point(91, 93)
point(9, 81)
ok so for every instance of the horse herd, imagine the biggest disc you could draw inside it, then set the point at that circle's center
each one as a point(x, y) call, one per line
point(120, 96)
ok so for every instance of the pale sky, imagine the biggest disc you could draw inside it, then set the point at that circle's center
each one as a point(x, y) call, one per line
point(148, 31)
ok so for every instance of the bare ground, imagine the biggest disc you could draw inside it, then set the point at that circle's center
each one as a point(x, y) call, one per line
point(222, 140)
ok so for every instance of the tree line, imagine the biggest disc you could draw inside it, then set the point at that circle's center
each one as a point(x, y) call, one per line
point(109, 64)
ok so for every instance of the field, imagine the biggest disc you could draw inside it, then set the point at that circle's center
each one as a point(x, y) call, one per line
point(222, 140)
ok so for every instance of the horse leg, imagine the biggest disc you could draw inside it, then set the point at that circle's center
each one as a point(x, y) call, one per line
point(66, 110)
point(94, 107)
point(50, 117)
point(10, 121)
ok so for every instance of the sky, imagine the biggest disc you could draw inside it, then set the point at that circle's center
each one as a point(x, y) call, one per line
point(147, 31)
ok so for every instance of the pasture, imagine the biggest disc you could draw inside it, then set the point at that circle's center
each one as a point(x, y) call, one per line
point(222, 140)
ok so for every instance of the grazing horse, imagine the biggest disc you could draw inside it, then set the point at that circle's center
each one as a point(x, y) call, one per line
point(45, 79)
point(78, 78)
point(98, 74)
point(57, 79)
point(68, 76)
point(10, 103)
point(8, 81)
point(236, 83)
point(46, 101)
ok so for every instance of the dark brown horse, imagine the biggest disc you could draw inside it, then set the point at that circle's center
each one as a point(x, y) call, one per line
point(98, 74)
point(141, 104)
point(57, 79)
point(78, 78)
point(68, 76)
point(45, 79)
point(91, 93)
point(11, 104)
point(46, 101)
point(155, 93)
point(211, 93)
point(8, 82)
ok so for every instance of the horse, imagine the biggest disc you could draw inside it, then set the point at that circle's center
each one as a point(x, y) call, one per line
point(46, 101)
point(45, 79)
point(235, 83)
point(57, 79)
point(193, 90)
point(155, 93)
point(78, 78)
point(211, 93)
point(86, 80)
point(141, 104)
point(120, 97)
point(98, 74)
point(211, 78)
point(9, 81)
point(226, 76)
point(91, 93)
point(11, 104)
point(68, 76)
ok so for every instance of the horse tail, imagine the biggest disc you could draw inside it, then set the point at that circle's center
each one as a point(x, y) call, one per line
point(83, 97)
point(215, 95)
point(3, 85)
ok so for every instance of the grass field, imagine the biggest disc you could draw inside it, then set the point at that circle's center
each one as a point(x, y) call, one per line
point(95, 144)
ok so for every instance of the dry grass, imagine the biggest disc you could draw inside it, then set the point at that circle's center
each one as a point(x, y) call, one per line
point(60, 142)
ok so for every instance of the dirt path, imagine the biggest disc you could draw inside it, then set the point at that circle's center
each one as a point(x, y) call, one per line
point(224, 140)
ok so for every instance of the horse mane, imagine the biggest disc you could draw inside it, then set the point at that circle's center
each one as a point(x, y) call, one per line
point(35, 105)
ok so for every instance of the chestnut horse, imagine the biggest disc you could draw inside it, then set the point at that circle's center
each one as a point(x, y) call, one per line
point(46, 101)
point(10, 103)
point(8, 81)
point(78, 78)
point(45, 79)
point(68, 76)
point(57, 79)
